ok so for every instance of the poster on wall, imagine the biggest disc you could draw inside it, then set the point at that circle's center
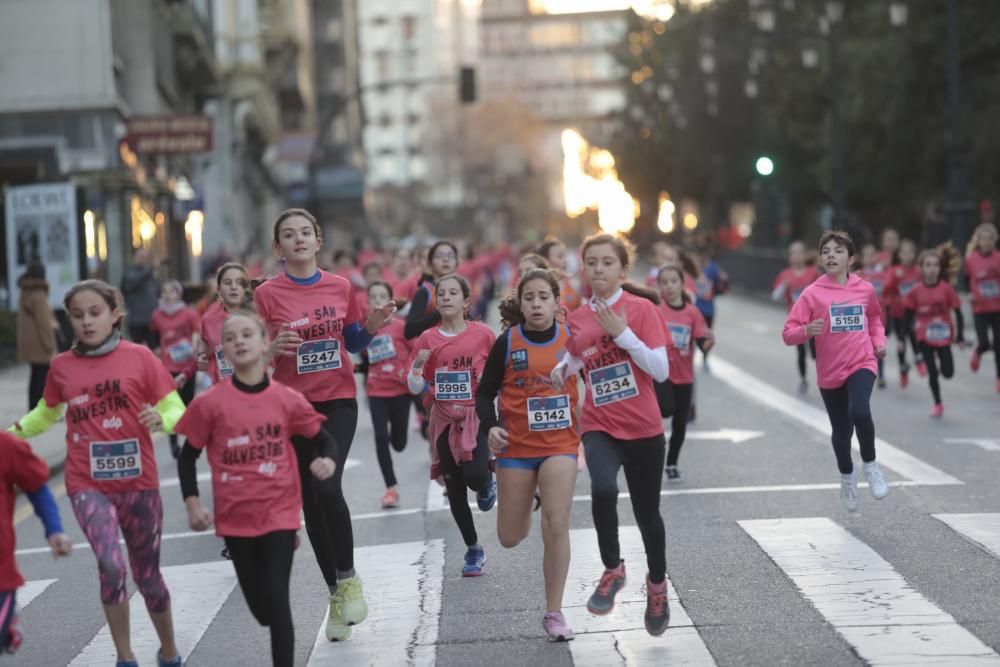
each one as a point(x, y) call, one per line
point(42, 226)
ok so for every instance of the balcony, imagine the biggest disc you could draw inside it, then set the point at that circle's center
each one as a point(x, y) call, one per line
point(193, 45)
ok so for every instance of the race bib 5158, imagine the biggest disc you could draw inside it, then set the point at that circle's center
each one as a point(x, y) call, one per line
point(847, 319)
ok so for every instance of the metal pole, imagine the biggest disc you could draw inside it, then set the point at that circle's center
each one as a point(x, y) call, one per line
point(836, 138)
point(957, 159)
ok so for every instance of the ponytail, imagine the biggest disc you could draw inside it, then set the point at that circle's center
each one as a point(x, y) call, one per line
point(642, 291)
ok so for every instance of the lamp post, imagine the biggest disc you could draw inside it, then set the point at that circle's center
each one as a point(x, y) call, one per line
point(957, 159)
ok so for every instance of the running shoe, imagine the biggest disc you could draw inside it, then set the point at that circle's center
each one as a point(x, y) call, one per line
point(974, 361)
point(127, 663)
point(14, 635)
point(849, 492)
point(657, 608)
point(336, 629)
point(921, 368)
point(881, 382)
point(487, 498)
point(556, 628)
point(176, 661)
point(937, 411)
point(876, 481)
point(347, 608)
point(602, 601)
point(475, 561)
point(803, 387)
point(225, 553)
point(998, 385)
point(390, 499)
point(904, 379)
point(673, 474)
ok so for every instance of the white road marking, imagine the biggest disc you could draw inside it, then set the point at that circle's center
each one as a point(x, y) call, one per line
point(734, 436)
point(981, 529)
point(31, 590)
point(197, 593)
point(436, 500)
point(620, 638)
point(989, 444)
point(867, 602)
point(402, 584)
point(889, 455)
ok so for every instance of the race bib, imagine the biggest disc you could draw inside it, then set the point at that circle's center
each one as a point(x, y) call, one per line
point(225, 368)
point(938, 331)
point(847, 319)
point(314, 356)
point(181, 352)
point(611, 384)
point(681, 333)
point(453, 385)
point(703, 290)
point(904, 288)
point(989, 289)
point(381, 348)
point(115, 460)
point(549, 413)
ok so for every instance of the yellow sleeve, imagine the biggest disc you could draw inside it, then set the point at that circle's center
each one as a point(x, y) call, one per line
point(171, 409)
point(38, 421)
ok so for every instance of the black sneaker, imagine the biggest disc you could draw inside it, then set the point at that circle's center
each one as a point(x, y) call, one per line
point(657, 608)
point(603, 599)
point(673, 474)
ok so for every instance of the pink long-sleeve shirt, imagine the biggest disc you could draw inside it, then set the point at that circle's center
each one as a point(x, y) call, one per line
point(853, 327)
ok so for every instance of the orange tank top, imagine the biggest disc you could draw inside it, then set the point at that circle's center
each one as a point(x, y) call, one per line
point(539, 420)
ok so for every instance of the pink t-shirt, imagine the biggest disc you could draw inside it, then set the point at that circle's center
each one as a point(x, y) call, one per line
point(932, 307)
point(177, 339)
point(685, 325)
point(901, 279)
point(219, 367)
point(452, 372)
point(879, 278)
point(853, 327)
point(984, 281)
point(20, 467)
point(388, 354)
point(107, 448)
point(321, 368)
point(255, 477)
point(620, 397)
point(795, 282)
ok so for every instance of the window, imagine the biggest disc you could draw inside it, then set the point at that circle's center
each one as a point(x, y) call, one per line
point(382, 64)
point(409, 28)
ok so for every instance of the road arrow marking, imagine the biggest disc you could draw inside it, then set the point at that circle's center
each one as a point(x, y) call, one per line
point(989, 444)
point(733, 435)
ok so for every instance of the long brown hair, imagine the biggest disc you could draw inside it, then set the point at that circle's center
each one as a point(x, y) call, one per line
point(510, 307)
point(949, 260)
point(626, 255)
point(974, 239)
point(111, 296)
point(296, 212)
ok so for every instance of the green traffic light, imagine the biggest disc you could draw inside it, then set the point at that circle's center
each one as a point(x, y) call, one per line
point(765, 166)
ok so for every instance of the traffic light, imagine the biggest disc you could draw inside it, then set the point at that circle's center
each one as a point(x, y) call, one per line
point(467, 85)
point(765, 165)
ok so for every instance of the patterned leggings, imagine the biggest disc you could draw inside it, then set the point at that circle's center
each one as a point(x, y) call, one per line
point(139, 514)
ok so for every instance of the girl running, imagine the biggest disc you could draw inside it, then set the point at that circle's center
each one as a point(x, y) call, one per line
point(928, 305)
point(111, 387)
point(687, 328)
point(177, 327)
point(620, 343)
point(903, 277)
point(314, 318)
point(789, 286)
point(841, 312)
point(711, 282)
point(388, 396)
point(233, 281)
point(442, 259)
point(246, 425)
point(555, 254)
point(535, 437)
point(445, 366)
point(982, 267)
point(873, 272)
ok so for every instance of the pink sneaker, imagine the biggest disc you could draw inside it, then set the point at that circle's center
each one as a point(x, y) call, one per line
point(556, 628)
point(937, 411)
point(390, 499)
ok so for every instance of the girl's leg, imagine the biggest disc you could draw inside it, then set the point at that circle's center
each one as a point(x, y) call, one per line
point(947, 362)
point(899, 328)
point(140, 516)
point(278, 549)
point(838, 408)
point(476, 473)
point(247, 554)
point(604, 458)
point(379, 409)
point(557, 481)
point(399, 421)
point(859, 389)
point(932, 372)
point(342, 421)
point(801, 360)
point(516, 490)
point(982, 324)
point(643, 461)
point(682, 398)
point(458, 496)
point(99, 521)
point(994, 322)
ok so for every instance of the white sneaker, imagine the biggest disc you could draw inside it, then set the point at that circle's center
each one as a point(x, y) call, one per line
point(849, 492)
point(876, 481)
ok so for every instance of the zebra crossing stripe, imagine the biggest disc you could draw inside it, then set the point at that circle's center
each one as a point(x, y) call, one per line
point(197, 593)
point(981, 529)
point(862, 596)
point(31, 590)
point(402, 584)
point(620, 638)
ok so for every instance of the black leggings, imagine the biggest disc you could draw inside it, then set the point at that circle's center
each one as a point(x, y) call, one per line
point(328, 518)
point(390, 419)
point(947, 367)
point(678, 426)
point(904, 334)
point(187, 395)
point(263, 567)
point(984, 323)
point(36, 385)
point(643, 463)
point(849, 409)
point(458, 477)
point(801, 350)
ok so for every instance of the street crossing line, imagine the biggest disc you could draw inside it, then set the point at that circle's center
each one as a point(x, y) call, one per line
point(889, 455)
point(620, 638)
point(402, 584)
point(981, 529)
point(197, 593)
point(31, 590)
point(867, 602)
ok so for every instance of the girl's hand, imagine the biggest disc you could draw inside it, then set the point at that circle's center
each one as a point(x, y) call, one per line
point(151, 419)
point(199, 518)
point(61, 544)
point(709, 340)
point(613, 323)
point(558, 376)
point(880, 351)
point(285, 343)
point(379, 317)
point(815, 328)
point(420, 361)
point(497, 439)
point(323, 467)
point(180, 380)
point(202, 362)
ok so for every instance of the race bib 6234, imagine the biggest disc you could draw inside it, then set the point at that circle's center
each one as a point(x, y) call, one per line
point(610, 384)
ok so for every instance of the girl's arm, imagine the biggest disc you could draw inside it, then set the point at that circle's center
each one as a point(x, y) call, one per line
point(653, 361)
point(875, 327)
point(187, 470)
point(170, 409)
point(794, 332)
point(46, 509)
point(489, 384)
point(38, 421)
point(417, 320)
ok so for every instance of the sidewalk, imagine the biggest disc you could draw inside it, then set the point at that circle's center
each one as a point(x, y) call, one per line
point(50, 446)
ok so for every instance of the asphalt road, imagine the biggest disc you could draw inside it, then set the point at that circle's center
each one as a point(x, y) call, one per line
point(768, 568)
